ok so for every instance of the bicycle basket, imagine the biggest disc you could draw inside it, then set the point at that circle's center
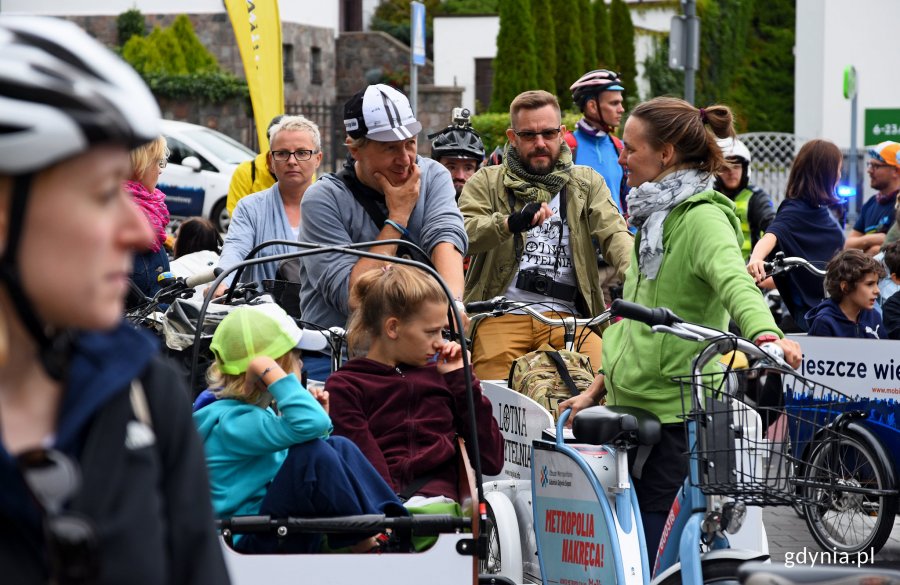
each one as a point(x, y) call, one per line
point(180, 323)
point(736, 455)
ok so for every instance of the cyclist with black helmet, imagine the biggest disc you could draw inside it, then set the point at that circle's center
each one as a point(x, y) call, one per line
point(103, 475)
point(598, 94)
point(459, 148)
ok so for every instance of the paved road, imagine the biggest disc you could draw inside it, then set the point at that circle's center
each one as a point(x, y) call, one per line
point(788, 534)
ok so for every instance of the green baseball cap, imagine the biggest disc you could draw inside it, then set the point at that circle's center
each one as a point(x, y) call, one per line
point(259, 330)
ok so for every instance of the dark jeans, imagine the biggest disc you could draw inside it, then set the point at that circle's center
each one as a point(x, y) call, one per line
point(147, 267)
point(320, 479)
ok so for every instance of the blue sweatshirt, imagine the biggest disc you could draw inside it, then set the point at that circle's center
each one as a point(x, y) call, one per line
point(828, 320)
point(246, 444)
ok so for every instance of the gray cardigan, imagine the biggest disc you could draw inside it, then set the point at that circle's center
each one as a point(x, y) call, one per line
point(258, 218)
point(331, 216)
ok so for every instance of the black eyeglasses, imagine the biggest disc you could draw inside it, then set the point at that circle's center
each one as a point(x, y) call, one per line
point(71, 541)
point(300, 155)
point(531, 135)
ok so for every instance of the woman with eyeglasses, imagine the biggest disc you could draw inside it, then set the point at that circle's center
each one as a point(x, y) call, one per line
point(102, 473)
point(804, 226)
point(147, 162)
point(274, 214)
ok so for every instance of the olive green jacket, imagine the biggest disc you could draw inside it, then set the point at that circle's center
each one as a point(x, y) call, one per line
point(594, 222)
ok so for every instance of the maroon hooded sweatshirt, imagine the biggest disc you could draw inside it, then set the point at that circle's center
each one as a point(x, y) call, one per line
point(406, 419)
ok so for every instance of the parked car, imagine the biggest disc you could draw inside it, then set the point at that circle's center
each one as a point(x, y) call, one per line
point(201, 162)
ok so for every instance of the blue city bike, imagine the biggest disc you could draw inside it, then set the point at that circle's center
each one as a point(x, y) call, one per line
point(586, 515)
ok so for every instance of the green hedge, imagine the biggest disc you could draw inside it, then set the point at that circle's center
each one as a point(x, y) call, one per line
point(492, 127)
point(209, 87)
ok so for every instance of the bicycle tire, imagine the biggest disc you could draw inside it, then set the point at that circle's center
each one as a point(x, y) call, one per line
point(858, 464)
point(493, 563)
point(719, 571)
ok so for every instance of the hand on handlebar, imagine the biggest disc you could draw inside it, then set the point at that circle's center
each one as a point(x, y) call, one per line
point(757, 269)
point(792, 351)
point(588, 398)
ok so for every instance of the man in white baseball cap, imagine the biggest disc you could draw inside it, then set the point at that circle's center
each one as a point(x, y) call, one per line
point(386, 192)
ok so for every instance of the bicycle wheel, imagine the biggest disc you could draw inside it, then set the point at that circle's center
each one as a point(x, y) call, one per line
point(848, 521)
point(720, 571)
point(493, 562)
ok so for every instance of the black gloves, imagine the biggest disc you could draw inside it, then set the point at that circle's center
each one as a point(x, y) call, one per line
point(520, 221)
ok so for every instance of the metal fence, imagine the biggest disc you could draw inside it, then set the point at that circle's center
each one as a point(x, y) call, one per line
point(329, 119)
point(331, 127)
point(773, 154)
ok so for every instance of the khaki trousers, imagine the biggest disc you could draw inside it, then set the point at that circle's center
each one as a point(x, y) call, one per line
point(500, 340)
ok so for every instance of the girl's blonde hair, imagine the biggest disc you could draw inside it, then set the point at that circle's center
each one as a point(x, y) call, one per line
point(149, 154)
point(235, 385)
point(392, 291)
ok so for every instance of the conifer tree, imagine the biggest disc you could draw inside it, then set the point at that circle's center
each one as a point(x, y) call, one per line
point(622, 31)
point(605, 56)
point(545, 44)
point(515, 67)
point(588, 35)
point(569, 50)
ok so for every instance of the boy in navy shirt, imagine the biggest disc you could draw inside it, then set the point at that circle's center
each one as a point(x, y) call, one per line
point(890, 308)
point(851, 281)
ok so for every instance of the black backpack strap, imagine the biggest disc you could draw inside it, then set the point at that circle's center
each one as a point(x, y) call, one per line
point(564, 372)
point(367, 203)
point(252, 171)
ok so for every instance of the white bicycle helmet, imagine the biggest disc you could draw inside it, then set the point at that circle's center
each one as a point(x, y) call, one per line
point(594, 82)
point(61, 92)
point(734, 148)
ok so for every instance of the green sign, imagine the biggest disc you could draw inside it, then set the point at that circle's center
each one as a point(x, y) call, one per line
point(881, 125)
point(849, 82)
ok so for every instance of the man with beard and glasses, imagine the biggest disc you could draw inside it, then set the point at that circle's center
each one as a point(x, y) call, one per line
point(534, 223)
point(877, 214)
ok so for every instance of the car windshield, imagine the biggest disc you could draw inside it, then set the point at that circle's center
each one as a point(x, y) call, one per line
point(223, 147)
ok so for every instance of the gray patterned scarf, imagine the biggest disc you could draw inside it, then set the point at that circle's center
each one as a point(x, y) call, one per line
point(528, 187)
point(649, 205)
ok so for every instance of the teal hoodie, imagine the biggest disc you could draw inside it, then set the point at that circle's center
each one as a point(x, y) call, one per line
point(702, 279)
point(246, 444)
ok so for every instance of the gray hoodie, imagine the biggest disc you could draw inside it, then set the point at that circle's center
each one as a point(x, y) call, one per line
point(331, 216)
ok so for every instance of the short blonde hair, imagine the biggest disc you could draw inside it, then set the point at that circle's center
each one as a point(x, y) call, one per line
point(234, 385)
point(143, 157)
point(294, 124)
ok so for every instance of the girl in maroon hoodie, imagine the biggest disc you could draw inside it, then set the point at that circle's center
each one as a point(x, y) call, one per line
point(404, 403)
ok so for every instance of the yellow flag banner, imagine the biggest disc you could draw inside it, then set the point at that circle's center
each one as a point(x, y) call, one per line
point(257, 28)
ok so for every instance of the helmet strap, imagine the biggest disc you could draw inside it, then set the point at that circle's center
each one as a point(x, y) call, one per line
point(53, 350)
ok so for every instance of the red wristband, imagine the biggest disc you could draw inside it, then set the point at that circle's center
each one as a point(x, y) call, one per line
point(766, 338)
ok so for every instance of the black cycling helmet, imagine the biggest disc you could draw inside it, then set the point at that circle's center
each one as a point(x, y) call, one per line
point(61, 93)
point(459, 140)
point(593, 83)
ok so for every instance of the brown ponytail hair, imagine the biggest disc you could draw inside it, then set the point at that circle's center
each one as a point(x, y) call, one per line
point(392, 291)
point(815, 173)
point(691, 131)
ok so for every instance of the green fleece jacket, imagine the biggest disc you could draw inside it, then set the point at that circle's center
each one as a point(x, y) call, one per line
point(593, 219)
point(702, 279)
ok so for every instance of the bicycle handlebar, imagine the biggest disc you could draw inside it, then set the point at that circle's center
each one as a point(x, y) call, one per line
point(780, 264)
point(636, 312)
point(500, 305)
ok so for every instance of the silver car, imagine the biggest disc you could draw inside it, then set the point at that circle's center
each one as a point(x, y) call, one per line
point(201, 163)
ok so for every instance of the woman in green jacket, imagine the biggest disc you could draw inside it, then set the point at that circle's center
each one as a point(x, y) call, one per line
point(687, 257)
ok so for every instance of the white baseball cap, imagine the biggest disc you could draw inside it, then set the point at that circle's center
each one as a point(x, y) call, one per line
point(380, 113)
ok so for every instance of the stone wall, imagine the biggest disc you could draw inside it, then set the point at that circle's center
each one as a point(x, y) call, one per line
point(216, 34)
point(378, 53)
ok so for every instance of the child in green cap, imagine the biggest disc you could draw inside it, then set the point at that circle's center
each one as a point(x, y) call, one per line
point(280, 463)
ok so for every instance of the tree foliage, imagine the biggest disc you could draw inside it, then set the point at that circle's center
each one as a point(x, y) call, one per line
point(623, 32)
point(515, 66)
point(395, 17)
point(569, 52)
point(175, 64)
point(129, 24)
point(588, 34)
point(746, 59)
point(468, 7)
point(604, 46)
point(545, 44)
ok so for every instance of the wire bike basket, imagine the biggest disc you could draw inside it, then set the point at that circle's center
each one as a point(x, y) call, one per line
point(760, 463)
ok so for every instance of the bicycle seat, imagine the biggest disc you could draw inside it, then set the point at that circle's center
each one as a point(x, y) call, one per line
point(620, 425)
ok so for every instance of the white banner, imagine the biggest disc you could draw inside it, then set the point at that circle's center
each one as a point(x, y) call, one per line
point(521, 421)
point(869, 368)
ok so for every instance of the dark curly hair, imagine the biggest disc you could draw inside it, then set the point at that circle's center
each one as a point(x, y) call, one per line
point(849, 266)
point(892, 257)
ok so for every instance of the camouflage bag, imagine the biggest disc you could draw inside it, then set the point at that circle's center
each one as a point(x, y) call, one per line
point(550, 376)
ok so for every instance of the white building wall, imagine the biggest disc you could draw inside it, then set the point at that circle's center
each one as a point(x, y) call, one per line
point(326, 13)
point(458, 41)
point(832, 34)
point(647, 19)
